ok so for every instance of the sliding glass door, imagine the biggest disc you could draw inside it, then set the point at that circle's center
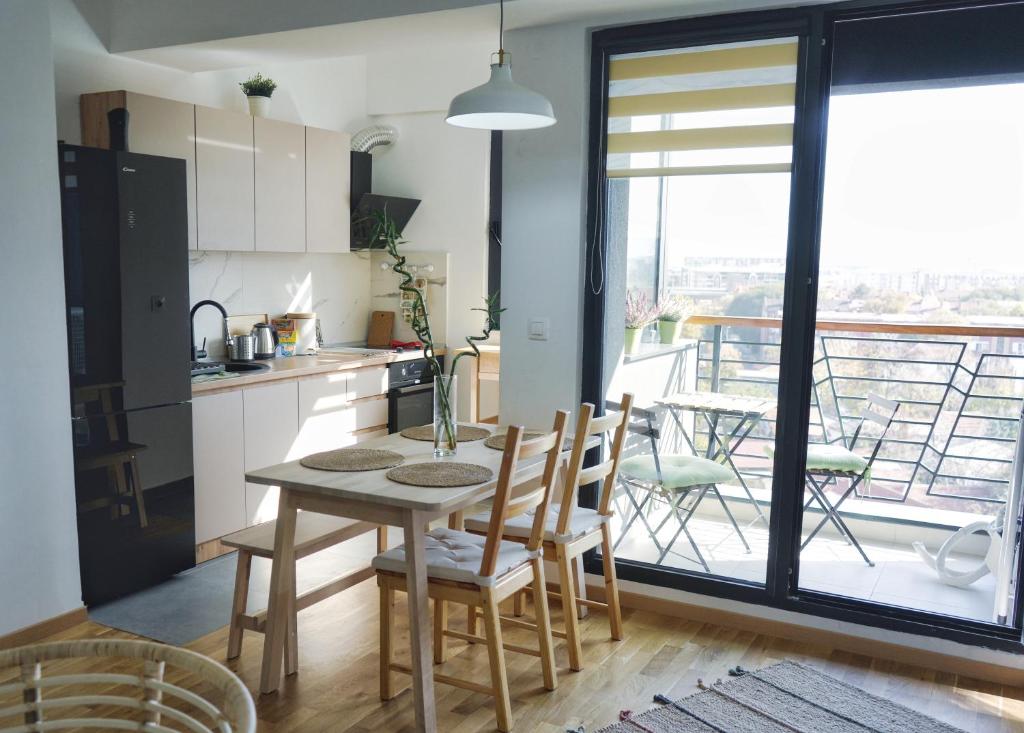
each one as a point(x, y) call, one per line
point(920, 338)
point(805, 261)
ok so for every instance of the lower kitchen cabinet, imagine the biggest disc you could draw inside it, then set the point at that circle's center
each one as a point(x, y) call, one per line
point(218, 449)
point(262, 425)
point(271, 429)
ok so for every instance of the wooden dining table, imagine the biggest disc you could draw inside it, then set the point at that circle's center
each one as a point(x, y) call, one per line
point(370, 496)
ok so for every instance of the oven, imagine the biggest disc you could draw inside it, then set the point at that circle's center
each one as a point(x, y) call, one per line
point(410, 394)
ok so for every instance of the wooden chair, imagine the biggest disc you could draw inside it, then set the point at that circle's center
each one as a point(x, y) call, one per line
point(571, 530)
point(123, 685)
point(313, 532)
point(482, 572)
point(118, 456)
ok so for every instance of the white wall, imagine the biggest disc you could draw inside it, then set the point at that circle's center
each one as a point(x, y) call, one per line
point(38, 537)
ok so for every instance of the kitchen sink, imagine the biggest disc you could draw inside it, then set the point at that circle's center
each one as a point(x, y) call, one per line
point(245, 366)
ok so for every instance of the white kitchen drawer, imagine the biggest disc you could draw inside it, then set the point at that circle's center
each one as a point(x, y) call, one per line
point(367, 382)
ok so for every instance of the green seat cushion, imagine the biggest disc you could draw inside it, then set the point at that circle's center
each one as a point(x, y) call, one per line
point(832, 457)
point(677, 472)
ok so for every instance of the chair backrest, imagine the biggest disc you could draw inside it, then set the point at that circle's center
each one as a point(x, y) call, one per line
point(607, 471)
point(644, 424)
point(130, 699)
point(512, 499)
point(879, 411)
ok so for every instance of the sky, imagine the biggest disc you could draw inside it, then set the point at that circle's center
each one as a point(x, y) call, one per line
point(930, 179)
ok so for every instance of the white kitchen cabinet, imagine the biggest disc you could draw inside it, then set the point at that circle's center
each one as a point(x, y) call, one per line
point(155, 127)
point(271, 420)
point(225, 206)
point(367, 382)
point(328, 418)
point(280, 170)
point(218, 450)
point(327, 190)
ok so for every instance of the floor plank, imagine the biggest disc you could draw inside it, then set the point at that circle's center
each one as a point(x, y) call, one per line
point(336, 687)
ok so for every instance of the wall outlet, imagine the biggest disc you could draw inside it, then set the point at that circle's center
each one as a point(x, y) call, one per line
point(537, 329)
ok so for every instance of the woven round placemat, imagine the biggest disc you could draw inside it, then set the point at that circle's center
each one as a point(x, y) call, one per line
point(466, 433)
point(497, 440)
point(440, 474)
point(353, 459)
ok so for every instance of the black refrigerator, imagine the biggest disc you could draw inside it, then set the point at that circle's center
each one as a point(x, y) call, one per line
point(126, 286)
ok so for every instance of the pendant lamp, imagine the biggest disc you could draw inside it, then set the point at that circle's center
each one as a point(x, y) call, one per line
point(501, 104)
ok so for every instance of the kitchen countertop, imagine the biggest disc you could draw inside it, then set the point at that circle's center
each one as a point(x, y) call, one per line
point(293, 367)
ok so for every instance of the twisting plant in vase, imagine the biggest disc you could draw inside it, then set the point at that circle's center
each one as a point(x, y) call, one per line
point(445, 418)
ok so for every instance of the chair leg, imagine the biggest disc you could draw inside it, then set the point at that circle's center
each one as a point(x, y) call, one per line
point(572, 624)
point(471, 621)
point(519, 603)
point(387, 625)
point(440, 626)
point(140, 501)
point(611, 582)
point(543, 616)
point(732, 519)
point(496, 655)
point(238, 604)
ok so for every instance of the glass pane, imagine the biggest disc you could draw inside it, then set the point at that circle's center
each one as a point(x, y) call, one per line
point(919, 361)
point(697, 226)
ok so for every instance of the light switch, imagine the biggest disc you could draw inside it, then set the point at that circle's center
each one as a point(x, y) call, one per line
point(537, 329)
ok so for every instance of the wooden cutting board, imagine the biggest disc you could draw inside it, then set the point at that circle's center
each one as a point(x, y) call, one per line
point(382, 325)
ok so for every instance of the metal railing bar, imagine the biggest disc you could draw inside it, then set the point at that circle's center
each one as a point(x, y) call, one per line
point(978, 458)
point(890, 360)
point(891, 380)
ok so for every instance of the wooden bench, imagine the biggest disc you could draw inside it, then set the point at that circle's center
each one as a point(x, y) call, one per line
point(313, 532)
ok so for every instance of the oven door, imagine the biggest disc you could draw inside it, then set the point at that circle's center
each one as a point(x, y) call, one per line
point(410, 406)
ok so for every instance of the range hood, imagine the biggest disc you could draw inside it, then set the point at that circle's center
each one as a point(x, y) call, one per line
point(365, 204)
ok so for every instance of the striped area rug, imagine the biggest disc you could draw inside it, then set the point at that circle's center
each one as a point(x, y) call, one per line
point(784, 698)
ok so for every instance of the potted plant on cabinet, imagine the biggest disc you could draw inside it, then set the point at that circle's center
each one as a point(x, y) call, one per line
point(258, 90)
point(445, 414)
point(672, 311)
point(639, 313)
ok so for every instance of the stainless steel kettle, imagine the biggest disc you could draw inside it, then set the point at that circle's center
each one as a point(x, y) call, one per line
point(265, 337)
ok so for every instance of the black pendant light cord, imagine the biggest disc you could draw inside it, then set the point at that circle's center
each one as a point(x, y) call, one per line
point(501, 32)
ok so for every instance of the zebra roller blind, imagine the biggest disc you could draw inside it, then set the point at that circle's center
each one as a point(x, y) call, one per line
point(706, 110)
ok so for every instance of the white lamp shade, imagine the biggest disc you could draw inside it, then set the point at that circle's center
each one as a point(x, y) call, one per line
point(500, 104)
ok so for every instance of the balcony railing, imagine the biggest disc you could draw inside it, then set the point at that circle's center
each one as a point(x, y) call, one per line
point(960, 389)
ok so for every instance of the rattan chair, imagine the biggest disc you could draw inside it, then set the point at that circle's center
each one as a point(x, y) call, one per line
point(123, 685)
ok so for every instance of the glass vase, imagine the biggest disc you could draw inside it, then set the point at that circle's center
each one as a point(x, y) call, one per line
point(445, 416)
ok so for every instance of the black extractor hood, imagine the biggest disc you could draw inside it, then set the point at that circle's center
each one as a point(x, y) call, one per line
point(365, 204)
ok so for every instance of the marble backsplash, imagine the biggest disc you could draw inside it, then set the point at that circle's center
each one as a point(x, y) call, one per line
point(335, 286)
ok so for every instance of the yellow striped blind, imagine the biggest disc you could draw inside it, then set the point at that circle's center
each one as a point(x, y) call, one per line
point(669, 112)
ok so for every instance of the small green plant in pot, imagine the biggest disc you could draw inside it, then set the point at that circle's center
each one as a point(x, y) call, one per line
point(258, 89)
point(639, 313)
point(672, 312)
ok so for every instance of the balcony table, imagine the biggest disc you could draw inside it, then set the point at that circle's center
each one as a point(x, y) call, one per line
point(713, 406)
point(370, 496)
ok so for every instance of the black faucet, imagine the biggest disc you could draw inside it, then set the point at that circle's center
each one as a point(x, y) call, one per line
point(192, 324)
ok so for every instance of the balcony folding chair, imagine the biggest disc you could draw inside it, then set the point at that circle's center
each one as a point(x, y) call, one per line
point(828, 462)
point(681, 481)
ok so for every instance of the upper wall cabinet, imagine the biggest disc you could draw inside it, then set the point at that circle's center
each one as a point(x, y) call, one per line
point(280, 149)
point(155, 127)
point(327, 190)
point(253, 183)
point(224, 180)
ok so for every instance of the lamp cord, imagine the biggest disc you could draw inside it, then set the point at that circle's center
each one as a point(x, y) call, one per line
point(501, 28)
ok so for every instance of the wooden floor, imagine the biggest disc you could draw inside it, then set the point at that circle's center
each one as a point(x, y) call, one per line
point(336, 687)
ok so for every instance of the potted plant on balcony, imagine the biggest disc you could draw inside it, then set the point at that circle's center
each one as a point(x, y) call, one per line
point(445, 415)
point(639, 313)
point(672, 311)
point(258, 89)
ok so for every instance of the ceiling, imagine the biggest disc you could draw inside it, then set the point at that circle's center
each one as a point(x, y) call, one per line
point(203, 35)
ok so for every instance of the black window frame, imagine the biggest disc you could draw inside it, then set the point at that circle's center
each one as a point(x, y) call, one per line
point(814, 26)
